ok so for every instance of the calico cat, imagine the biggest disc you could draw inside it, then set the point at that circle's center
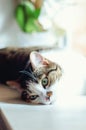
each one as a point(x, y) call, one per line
point(34, 76)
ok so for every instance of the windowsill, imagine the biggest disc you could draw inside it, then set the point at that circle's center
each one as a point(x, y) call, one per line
point(46, 117)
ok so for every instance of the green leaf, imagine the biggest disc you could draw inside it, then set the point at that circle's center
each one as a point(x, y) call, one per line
point(31, 11)
point(19, 14)
point(38, 27)
point(26, 16)
point(37, 13)
point(32, 26)
point(29, 8)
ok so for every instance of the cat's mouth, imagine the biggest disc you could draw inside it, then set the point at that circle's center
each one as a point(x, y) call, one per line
point(47, 98)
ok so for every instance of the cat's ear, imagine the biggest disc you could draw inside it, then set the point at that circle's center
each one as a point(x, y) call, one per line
point(38, 60)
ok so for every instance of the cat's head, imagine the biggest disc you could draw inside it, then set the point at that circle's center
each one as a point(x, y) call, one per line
point(47, 75)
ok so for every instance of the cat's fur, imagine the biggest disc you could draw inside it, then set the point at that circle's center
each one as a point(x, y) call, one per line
point(34, 76)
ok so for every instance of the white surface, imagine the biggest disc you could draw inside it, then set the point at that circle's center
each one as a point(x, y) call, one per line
point(47, 117)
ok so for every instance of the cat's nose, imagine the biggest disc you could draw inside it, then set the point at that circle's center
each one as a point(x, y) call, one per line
point(49, 94)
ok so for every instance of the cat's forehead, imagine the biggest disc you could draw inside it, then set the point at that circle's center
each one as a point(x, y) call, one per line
point(46, 69)
point(53, 71)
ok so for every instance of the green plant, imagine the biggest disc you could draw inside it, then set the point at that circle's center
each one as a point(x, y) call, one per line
point(27, 17)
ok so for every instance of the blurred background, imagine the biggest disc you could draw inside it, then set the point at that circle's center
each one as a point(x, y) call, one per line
point(63, 23)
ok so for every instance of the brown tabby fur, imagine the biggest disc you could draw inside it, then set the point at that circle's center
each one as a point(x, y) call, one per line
point(14, 60)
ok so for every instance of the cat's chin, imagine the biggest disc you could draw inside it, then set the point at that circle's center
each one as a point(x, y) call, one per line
point(42, 103)
point(47, 102)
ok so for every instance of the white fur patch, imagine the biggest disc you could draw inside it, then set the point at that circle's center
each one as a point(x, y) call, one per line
point(38, 89)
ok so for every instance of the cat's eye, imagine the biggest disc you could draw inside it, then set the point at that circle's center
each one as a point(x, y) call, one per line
point(45, 82)
point(33, 97)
